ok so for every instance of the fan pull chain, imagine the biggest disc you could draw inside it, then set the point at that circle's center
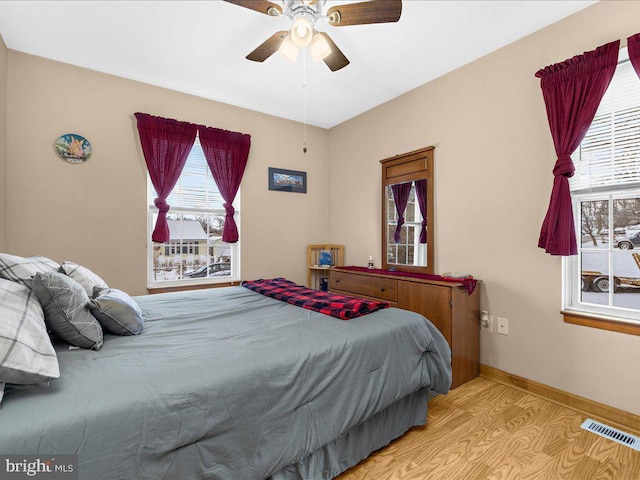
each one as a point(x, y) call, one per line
point(304, 103)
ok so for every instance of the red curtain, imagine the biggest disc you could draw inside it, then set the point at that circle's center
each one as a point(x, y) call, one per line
point(633, 45)
point(572, 91)
point(226, 153)
point(401, 193)
point(421, 197)
point(166, 144)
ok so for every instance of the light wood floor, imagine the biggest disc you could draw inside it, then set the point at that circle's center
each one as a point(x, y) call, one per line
point(487, 430)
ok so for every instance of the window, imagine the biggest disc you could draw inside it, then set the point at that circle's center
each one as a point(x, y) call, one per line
point(195, 252)
point(604, 278)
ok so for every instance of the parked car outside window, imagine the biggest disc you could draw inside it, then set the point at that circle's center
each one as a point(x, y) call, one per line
point(214, 270)
point(627, 243)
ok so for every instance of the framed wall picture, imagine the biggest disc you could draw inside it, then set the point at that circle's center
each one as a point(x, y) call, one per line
point(287, 180)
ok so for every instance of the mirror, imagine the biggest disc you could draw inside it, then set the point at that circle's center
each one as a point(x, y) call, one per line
point(403, 242)
point(407, 196)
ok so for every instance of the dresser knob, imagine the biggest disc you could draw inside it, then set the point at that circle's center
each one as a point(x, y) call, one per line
point(382, 289)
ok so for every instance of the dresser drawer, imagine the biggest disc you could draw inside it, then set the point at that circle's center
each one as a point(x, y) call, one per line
point(385, 288)
point(348, 283)
point(356, 295)
point(368, 286)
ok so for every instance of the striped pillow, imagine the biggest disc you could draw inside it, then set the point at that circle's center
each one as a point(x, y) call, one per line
point(26, 353)
point(84, 277)
point(66, 311)
point(21, 270)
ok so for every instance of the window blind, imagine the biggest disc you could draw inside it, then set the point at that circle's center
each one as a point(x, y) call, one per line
point(609, 156)
point(196, 188)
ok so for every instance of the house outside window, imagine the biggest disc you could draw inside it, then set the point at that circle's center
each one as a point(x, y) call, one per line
point(195, 252)
point(604, 278)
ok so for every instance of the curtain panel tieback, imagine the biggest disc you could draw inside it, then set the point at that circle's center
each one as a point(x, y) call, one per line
point(401, 192)
point(166, 144)
point(226, 153)
point(163, 207)
point(161, 223)
point(564, 166)
point(572, 92)
point(230, 226)
point(399, 224)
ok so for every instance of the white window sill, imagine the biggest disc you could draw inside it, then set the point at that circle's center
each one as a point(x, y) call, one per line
point(182, 287)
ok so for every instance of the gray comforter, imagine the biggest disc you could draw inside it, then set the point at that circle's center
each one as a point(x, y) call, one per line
point(224, 384)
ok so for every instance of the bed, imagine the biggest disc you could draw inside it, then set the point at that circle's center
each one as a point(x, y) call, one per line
point(229, 384)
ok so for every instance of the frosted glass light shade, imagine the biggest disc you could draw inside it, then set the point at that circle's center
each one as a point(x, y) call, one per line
point(319, 47)
point(301, 32)
point(288, 49)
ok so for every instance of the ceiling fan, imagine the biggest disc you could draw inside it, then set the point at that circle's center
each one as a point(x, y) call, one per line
point(304, 14)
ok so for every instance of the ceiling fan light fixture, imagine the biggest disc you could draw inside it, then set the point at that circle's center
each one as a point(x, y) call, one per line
point(319, 47)
point(288, 49)
point(301, 32)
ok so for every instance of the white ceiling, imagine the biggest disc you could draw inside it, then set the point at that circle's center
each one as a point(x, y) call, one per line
point(198, 47)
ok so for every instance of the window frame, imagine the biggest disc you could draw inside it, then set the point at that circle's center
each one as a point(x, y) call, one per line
point(572, 271)
point(612, 318)
point(183, 283)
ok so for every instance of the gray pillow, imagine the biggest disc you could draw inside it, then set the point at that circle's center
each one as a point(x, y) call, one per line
point(21, 270)
point(117, 312)
point(26, 353)
point(66, 311)
point(83, 276)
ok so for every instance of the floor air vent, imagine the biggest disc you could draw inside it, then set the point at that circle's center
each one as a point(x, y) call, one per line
point(611, 433)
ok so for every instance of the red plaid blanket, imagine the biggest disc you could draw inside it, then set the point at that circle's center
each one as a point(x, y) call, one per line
point(337, 306)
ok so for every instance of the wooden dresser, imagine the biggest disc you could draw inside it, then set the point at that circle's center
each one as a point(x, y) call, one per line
point(447, 305)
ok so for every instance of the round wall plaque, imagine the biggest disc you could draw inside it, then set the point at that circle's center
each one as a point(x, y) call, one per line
point(73, 148)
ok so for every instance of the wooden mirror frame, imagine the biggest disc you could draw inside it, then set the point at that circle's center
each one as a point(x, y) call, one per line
point(408, 167)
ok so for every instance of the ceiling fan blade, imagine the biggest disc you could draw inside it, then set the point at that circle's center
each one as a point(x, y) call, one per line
point(336, 59)
point(374, 11)
point(262, 6)
point(268, 47)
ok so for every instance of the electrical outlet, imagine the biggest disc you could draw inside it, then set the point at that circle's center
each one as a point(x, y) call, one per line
point(503, 326)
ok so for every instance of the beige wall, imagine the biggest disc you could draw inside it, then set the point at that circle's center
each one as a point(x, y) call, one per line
point(493, 163)
point(4, 55)
point(95, 213)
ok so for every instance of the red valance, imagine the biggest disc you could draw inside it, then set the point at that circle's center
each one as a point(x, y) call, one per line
point(166, 144)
